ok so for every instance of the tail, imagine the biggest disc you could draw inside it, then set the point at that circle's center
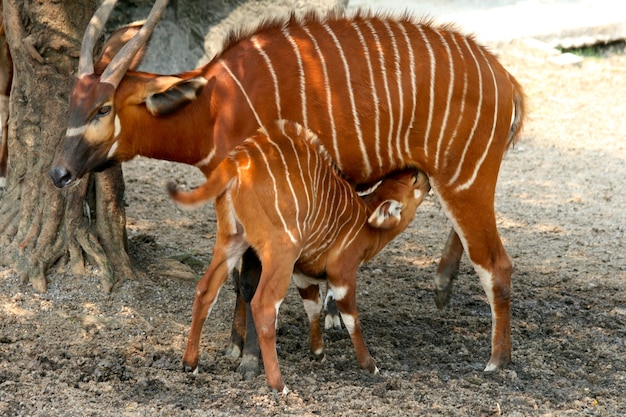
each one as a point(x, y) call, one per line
point(517, 122)
point(216, 184)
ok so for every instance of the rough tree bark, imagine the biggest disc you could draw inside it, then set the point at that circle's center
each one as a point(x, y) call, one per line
point(40, 226)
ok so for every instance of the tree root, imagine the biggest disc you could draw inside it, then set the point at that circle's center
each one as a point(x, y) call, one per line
point(36, 239)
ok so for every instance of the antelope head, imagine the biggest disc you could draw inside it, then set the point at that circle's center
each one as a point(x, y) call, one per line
point(90, 139)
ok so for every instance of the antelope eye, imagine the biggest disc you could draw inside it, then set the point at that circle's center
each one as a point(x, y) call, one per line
point(103, 111)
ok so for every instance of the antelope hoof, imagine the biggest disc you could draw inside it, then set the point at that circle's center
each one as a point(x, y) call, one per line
point(497, 364)
point(319, 356)
point(233, 351)
point(442, 297)
point(190, 369)
point(249, 367)
point(443, 293)
point(332, 321)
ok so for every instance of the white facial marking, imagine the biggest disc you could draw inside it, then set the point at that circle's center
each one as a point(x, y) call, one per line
point(75, 131)
point(113, 149)
point(118, 126)
point(417, 194)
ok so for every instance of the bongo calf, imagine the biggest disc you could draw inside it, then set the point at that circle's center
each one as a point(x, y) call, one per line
point(279, 193)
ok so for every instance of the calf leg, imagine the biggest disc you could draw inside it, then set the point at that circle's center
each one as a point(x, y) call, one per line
point(270, 293)
point(238, 328)
point(448, 269)
point(345, 297)
point(311, 298)
point(206, 294)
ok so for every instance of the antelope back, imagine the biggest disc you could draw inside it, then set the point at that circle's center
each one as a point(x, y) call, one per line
point(381, 93)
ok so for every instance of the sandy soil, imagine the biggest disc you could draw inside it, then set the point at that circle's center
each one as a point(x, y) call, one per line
point(75, 351)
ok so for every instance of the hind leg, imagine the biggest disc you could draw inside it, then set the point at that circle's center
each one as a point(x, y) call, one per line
point(448, 269)
point(345, 296)
point(238, 327)
point(247, 285)
point(272, 289)
point(473, 217)
point(309, 290)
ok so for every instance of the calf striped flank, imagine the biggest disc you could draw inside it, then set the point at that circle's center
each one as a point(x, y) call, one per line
point(279, 192)
point(381, 93)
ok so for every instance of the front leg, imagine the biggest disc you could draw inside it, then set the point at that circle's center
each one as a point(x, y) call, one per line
point(206, 294)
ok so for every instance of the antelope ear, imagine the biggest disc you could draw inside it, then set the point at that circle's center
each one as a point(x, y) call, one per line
point(386, 215)
point(116, 41)
point(169, 94)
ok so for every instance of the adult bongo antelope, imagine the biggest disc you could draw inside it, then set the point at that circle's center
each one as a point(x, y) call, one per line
point(279, 193)
point(381, 93)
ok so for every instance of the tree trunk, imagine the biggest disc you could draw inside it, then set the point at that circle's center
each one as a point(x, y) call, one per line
point(40, 226)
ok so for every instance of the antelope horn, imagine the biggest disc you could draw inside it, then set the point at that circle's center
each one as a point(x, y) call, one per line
point(92, 33)
point(115, 71)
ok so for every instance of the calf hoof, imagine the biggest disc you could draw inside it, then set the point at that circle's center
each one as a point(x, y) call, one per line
point(498, 363)
point(249, 367)
point(319, 357)
point(190, 369)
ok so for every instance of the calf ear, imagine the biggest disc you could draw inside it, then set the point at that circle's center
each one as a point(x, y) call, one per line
point(386, 215)
point(168, 94)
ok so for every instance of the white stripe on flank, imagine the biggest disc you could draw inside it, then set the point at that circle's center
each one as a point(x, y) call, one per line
point(444, 122)
point(329, 102)
point(480, 162)
point(431, 104)
point(301, 76)
point(75, 131)
point(276, 195)
point(383, 70)
point(374, 93)
point(461, 111)
point(409, 46)
point(296, 152)
point(258, 119)
point(367, 168)
point(396, 55)
point(270, 68)
point(287, 173)
point(456, 175)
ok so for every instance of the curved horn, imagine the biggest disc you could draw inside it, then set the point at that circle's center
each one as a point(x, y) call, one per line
point(115, 71)
point(92, 33)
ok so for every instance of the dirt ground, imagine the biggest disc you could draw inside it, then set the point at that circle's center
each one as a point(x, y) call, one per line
point(75, 351)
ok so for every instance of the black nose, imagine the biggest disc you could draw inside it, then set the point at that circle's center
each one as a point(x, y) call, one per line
point(61, 177)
